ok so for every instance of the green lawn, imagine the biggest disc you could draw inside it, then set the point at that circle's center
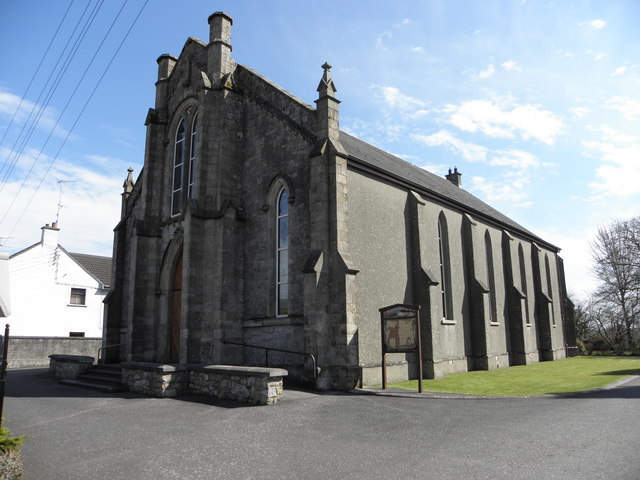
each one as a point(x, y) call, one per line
point(562, 376)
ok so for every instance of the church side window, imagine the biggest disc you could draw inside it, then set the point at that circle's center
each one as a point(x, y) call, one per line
point(549, 288)
point(282, 255)
point(523, 283)
point(193, 157)
point(491, 279)
point(445, 269)
point(178, 167)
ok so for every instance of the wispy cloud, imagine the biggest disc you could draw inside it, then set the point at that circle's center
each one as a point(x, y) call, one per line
point(511, 189)
point(595, 24)
point(505, 121)
point(512, 66)
point(26, 110)
point(487, 72)
point(628, 107)
point(444, 138)
point(619, 71)
point(395, 99)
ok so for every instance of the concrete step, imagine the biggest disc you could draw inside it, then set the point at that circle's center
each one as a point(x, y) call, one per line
point(104, 378)
point(94, 385)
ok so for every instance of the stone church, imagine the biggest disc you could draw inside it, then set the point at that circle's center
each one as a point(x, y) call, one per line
point(256, 221)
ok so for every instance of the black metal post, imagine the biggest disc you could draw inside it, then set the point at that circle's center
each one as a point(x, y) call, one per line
point(3, 368)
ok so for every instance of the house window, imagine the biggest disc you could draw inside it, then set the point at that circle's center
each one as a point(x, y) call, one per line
point(445, 269)
point(78, 296)
point(178, 165)
point(491, 279)
point(282, 255)
point(192, 157)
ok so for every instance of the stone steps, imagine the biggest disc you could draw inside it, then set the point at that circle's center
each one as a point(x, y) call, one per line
point(103, 378)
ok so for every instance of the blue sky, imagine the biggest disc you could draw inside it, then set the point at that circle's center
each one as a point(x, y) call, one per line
point(537, 103)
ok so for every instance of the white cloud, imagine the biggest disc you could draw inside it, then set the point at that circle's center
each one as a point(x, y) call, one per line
point(596, 24)
point(511, 65)
point(417, 49)
point(487, 72)
point(619, 174)
point(629, 107)
point(579, 112)
point(619, 71)
point(485, 116)
point(394, 98)
point(443, 138)
point(28, 111)
point(515, 158)
point(512, 189)
point(382, 38)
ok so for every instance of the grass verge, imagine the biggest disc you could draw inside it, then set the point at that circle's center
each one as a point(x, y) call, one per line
point(561, 376)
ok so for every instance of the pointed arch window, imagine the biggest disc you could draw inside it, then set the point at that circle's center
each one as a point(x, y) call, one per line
point(178, 167)
point(193, 156)
point(523, 282)
point(491, 278)
point(445, 269)
point(549, 289)
point(282, 254)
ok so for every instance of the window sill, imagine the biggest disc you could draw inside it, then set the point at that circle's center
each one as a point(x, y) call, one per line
point(494, 324)
point(445, 321)
point(75, 305)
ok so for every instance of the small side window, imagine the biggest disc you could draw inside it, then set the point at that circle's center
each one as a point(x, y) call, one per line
point(78, 296)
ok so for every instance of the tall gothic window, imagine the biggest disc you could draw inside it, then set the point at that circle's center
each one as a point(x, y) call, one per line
point(193, 156)
point(282, 255)
point(491, 279)
point(523, 283)
point(445, 269)
point(549, 288)
point(178, 167)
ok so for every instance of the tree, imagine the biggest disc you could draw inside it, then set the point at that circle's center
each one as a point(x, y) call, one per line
point(616, 301)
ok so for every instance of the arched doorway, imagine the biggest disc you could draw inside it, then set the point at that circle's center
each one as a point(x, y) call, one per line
point(175, 319)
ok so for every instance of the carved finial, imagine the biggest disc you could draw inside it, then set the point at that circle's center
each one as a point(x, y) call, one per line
point(128, 183)
point(326, 88)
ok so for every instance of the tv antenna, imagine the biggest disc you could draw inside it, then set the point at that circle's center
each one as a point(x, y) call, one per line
point(61, 183)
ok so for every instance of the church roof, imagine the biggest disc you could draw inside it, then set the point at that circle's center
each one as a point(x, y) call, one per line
point(425, 183)
point(96, 266)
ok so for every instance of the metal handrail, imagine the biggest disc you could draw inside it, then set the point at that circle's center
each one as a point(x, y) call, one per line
point(266, 358)
point(105, 347)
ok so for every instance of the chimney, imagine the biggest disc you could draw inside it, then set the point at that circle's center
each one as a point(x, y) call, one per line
point(454, 177)
point(50, 236)
point(219, 48)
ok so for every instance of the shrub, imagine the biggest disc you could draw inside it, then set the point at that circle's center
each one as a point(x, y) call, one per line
point(11, 467)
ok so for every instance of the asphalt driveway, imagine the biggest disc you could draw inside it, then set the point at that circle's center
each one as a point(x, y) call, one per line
point(80, 434)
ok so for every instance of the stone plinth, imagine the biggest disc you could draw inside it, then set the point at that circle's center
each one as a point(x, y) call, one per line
point(261, 386)
point(68, 366)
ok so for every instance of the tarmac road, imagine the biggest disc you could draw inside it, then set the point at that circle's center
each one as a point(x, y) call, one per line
point(80, 434)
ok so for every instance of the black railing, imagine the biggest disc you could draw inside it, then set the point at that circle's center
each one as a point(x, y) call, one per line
point(100, 360)
point(281, 350)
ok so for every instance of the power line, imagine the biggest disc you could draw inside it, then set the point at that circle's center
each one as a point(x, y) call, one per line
point(38, 107)
point(113, 57)
point(34, 75)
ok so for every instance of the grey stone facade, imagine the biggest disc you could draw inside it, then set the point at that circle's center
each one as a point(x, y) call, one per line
point(197, 260)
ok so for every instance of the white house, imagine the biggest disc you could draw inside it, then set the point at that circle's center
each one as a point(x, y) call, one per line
point(5, 305)
point(55, 293)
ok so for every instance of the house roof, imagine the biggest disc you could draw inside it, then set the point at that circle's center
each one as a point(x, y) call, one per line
point(98, 267)
point(426, 182)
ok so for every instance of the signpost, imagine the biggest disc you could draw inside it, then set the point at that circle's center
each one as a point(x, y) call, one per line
point(400, 329)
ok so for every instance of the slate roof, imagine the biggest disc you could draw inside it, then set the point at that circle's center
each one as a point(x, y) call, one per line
point(425, 182)
point(98, 267)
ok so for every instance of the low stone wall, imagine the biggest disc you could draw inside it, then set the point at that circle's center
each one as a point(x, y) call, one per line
point(256, 385)
point(156, 379)
point(262, 386)
point(35, 351)
point(68, 366)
